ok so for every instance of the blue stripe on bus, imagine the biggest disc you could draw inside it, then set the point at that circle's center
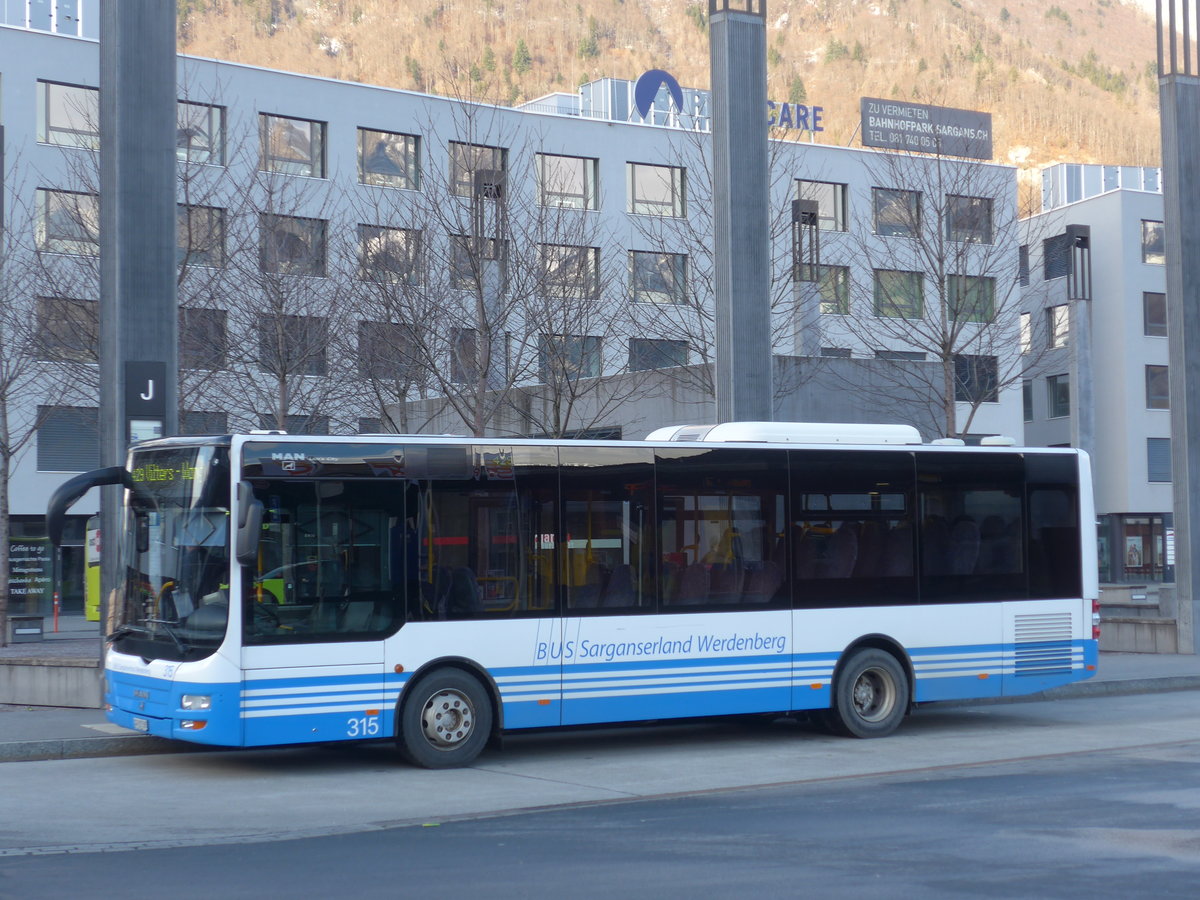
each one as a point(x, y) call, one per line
point(304, 709)
point(684, 705)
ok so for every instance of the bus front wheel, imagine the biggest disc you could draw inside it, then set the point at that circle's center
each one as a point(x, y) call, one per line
point(871, 695)
point(445, 720)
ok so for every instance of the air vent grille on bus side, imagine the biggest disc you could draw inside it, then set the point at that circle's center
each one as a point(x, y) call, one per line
point(1043, 644)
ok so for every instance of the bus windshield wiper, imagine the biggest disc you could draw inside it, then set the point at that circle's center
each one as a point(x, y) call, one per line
point(123, 631)
point(166, 625)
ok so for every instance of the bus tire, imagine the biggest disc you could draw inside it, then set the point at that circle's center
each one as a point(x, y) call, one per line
point(870, 696)
point(445, 720)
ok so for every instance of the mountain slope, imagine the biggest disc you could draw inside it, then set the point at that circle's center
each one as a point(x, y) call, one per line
point(1074, 81)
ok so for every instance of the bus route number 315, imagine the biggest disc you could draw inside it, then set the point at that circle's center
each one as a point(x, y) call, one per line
point(363, 726)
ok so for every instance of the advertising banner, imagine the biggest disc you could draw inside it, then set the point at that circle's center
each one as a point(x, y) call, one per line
point(30, 581)
point(918, 128)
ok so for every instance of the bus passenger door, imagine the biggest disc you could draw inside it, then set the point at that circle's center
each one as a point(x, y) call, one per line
point(316, 610)
point(607, 577)
point(481, 570)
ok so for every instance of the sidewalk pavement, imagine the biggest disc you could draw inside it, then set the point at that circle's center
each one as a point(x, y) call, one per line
point(39, 732)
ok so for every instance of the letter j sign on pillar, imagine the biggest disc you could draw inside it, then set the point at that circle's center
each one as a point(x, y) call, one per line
point(145, 399)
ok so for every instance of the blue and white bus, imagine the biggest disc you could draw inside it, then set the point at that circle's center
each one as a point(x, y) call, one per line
point(438, 591)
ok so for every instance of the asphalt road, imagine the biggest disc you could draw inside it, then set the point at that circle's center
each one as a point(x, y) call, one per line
point(1082, 798)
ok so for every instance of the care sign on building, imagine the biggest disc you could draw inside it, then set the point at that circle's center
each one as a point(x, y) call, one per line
point(650, 86)
point(916, 127)
point(795, 115)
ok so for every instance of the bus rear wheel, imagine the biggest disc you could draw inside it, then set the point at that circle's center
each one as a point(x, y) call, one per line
point(445, 720)
point(870, 697)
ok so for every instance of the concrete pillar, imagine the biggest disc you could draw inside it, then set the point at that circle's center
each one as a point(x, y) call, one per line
point(741, 233)
point(1179, 105)
point(138, 310)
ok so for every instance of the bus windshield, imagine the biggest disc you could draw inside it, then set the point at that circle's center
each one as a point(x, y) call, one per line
point(175, 547)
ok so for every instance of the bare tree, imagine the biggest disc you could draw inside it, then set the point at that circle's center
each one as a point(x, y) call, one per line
point(938, 282)
point(210, 199)
point(673, 277)
point(29, 336)
point(286, 294)
point(484, 287)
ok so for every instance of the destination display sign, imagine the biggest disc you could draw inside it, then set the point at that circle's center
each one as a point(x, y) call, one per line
point(918, 128)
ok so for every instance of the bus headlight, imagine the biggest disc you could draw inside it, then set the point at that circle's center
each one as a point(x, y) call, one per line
point(195, 701)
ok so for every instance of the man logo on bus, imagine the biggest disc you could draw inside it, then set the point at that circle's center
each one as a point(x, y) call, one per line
point(646, 89)
point(295, 463)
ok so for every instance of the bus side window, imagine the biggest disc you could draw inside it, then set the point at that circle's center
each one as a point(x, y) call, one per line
point(608, 560)
point(970, 527)
point(483, 541)
point(851, 528)
point(721, 521)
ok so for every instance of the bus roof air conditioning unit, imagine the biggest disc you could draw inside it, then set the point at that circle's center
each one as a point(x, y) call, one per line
point(789, 433)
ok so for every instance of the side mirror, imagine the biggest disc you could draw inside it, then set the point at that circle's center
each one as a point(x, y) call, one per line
point(74, 488)
point(249, 526)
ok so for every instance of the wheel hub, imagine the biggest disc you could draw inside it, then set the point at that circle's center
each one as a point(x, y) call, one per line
point(873, 695)
point(447, 719)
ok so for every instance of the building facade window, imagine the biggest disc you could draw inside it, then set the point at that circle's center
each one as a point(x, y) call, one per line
point(291, 146)
point(200, 236)
point(1058, 326)
point(568, 356)
point(972, 298)
point(1027, 400)
point(68, 115)
point(835, 353)
point(899, 294)
point(1025, 332)
point(1154, 314)
point(68, 330)
point(657, 190)
point(569, 271)
point(386, 352)
point(1158, 394)
point(831, 202)
point(291, 245)
point(389, 159)
point(897, 212)
point(68, 438)
point(464, 356)
point(648, 353)
point(567, 181)
point(1158, 460)
point(833, 288)
point(203, 338)
point(1058, 396)
point(901, 355)
point(477, 170)
point(474, 260)
point(296, 423)
point(1023, 265)
point(976, 379)
point(292, 345)
point(658, 277)
point(389, 255)
point(200, 133)
point(194, 421)
point(1056, 257)
point(969, 219)
point(1134, 549)
point(1154, 246)
point(370, 425)
point(68, 222)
